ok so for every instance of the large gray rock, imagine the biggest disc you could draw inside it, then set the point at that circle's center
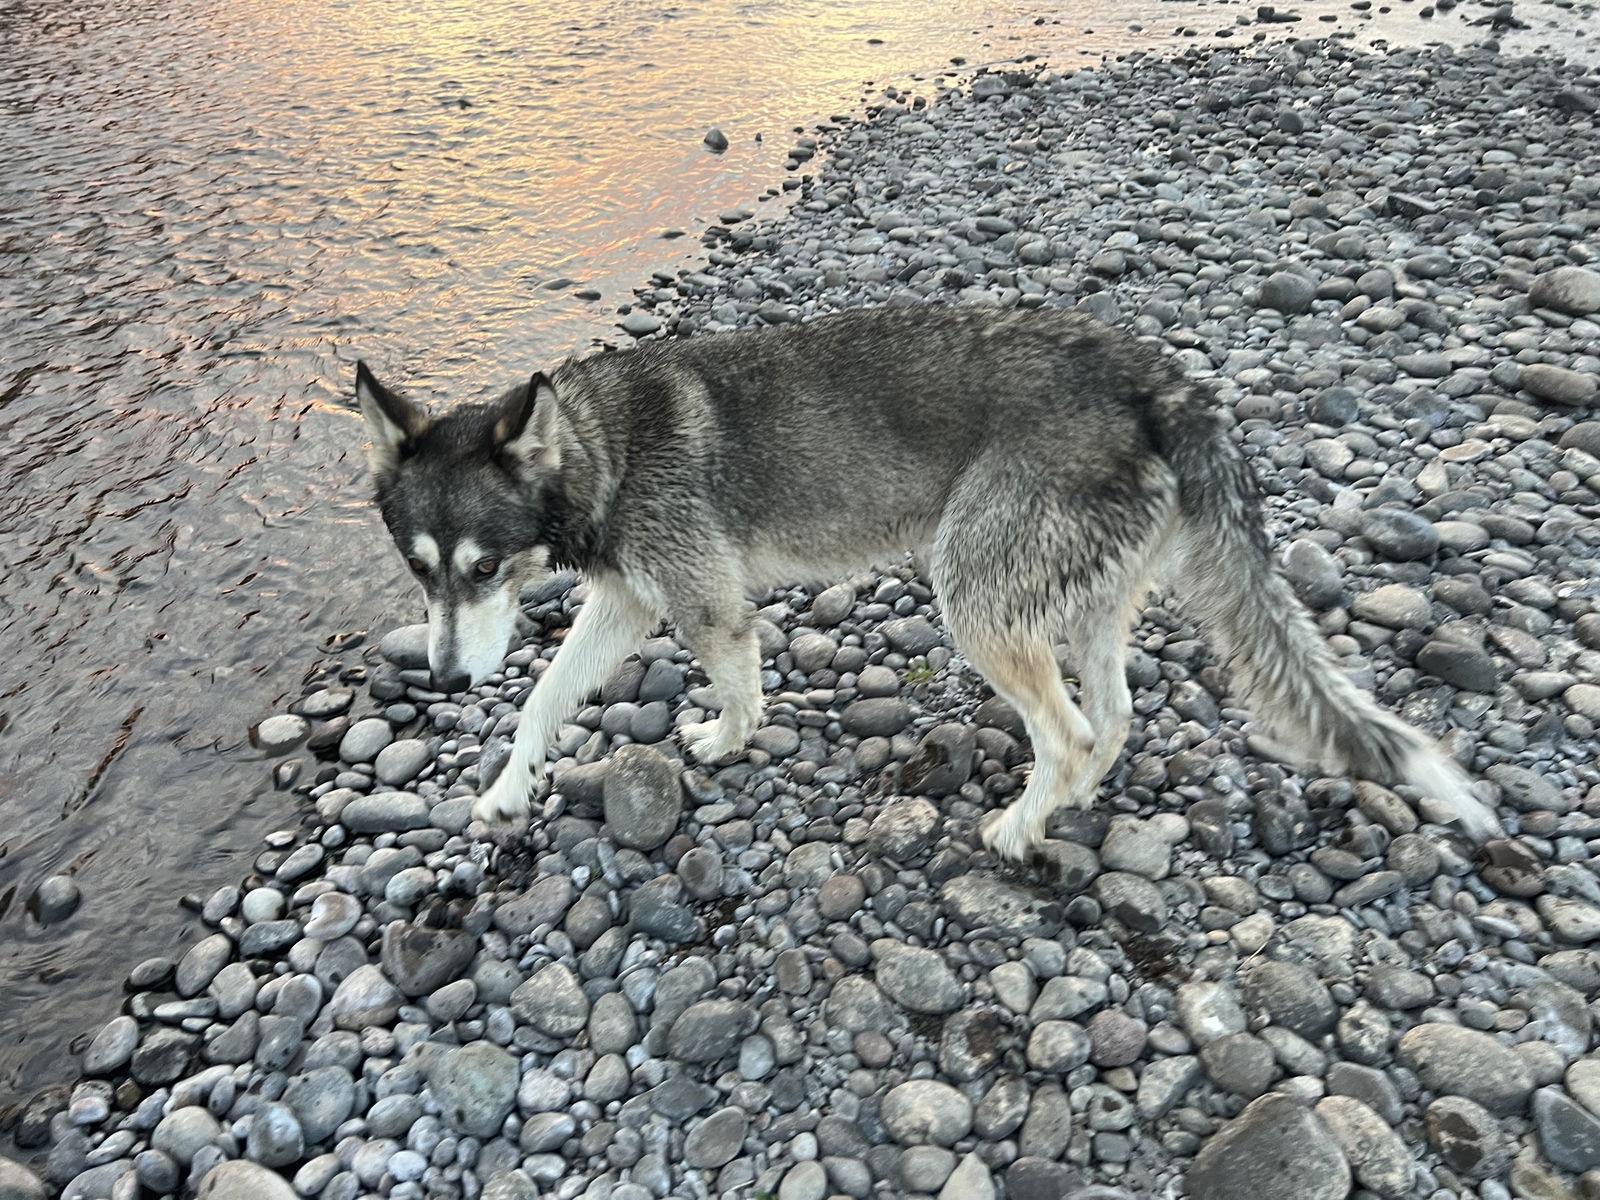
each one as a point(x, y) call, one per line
point(1572, 290)
point(925, 1111)
point(421, 960)
point(364, 997)
point(241, 1178)
point(552, 1001)
point(1569, 1134)
point(19, 1183)
point(476, 1087)
point(1273, 1150)
point(717, 1140)
point(643, 797)
point(1378, 1158)
point(1455, 1061)
point(916, 978)
point(982, 902)
point(1290, 292)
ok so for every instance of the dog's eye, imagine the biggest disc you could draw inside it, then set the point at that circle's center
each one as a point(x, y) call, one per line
point(485, 568)
point(417, 565)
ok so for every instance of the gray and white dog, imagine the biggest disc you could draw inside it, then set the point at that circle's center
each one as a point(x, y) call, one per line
point(1046, 469)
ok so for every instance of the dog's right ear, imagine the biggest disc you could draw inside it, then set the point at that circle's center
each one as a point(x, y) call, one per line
point(392, 420)
point(525, 427)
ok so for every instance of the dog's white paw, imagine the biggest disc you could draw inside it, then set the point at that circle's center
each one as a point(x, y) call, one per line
point(505, 801)
point(711, 741)
point(1011, 837)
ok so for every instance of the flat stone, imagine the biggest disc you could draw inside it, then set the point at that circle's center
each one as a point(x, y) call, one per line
point(112, 1047)
point(283, 732)
point(364, 739)
point(401, 762)
point(1569, 1134)
point(364, 997)
point(1453, 1060)
point(183, 1131)
point(1273, 1150)
point(385, 812)
point(643, 797)
point(710, 1030)
point(552, 1001)
point(1467, 1137)
point(1394, 606)
point(716, 1140)
point(1571, 290)
point(1560, 385)
point(925, 1111)
point(915, 978)
point(880, 716)
point(476, 1087)
point(982, 902)
point(1377, 1157)
point(240, 1178)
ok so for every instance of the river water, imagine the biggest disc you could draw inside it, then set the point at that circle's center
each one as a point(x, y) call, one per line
point(208, 211)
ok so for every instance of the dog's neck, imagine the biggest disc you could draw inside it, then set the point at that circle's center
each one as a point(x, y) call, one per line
point(575, 539)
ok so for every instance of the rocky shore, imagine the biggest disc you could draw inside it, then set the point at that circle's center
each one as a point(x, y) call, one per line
point(799, 977)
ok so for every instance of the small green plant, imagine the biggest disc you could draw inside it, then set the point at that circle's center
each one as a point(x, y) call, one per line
point(920, 672)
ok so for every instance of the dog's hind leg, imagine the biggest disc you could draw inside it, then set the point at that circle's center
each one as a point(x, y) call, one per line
point(1023, 672)
point(611, 623)
point(1100, 648)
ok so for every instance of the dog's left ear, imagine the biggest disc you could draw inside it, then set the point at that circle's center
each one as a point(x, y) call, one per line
point(392, 420)
point(526, 425)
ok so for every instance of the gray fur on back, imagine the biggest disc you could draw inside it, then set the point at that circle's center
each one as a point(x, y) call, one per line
point(845, 435)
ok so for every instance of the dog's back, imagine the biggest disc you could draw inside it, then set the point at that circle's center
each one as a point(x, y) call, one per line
point(849, 432)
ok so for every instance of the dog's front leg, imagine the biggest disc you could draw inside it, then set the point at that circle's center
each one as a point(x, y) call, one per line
point(612, 622)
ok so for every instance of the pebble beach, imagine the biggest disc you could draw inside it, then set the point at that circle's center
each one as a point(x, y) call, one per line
point(800, 977)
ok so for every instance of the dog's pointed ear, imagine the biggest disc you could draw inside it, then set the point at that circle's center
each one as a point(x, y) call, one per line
point(525, 428)
point(392, 420)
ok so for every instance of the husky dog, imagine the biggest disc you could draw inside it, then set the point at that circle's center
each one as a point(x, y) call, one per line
point(1045, 468)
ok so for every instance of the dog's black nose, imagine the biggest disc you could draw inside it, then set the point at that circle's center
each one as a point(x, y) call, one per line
point(456, 681)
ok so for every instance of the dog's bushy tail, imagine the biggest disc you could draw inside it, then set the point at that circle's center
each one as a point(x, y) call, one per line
point(1224, 575)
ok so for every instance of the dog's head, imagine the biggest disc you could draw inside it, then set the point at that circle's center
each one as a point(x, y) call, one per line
point(464, 496)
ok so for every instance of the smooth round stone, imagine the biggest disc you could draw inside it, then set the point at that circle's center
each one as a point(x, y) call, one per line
point(262, 904)
point(643, 797)
point(112, 1047)
point(925, 1111)
point(363, 740)
point(276, 1138)
point(385, 812)
point(640, 324)
point(57, 899)
point(333, 914)
point(476, 1086)
point(240, 1178)
point(284, 732)
point(184, 1131)
point(200, 965)
point(406, 647)
point(716, 1140)
point(400, 762)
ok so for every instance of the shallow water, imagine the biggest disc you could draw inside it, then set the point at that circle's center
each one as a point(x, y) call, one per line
point(207, 212)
